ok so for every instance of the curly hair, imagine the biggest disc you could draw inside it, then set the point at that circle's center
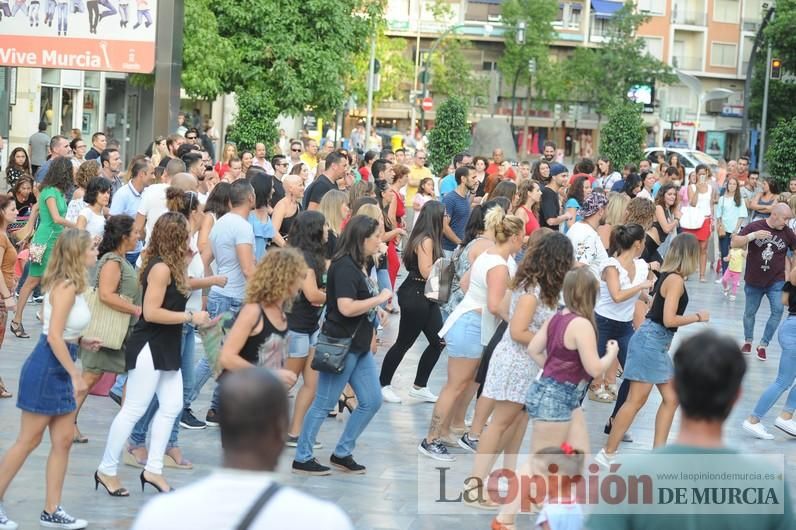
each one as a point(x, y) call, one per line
point(275, 276)
point(168, 243)
point(640, 211)
point(87, 171)
point(547, 260)
point(67, 261)
point(59, 174)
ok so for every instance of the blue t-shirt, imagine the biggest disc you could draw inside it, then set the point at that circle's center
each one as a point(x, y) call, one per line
point(655, 188)
point(458, 210)
point(263, 234)
point(125, 202)
point(572, 203)
point(447, 184)
point(228, 232)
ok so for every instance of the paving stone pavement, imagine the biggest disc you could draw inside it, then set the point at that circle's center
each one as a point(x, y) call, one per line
point(384, 498)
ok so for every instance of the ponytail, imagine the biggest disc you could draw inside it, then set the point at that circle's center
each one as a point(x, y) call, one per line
point(502, 225)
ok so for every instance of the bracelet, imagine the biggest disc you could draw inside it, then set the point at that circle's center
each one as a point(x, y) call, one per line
point(190, 317)
point(699, 318)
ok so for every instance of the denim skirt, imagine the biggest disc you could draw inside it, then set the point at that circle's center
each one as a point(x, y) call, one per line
point(551, 400)
point(648, 359)
point(45, 387)
point(464, 337)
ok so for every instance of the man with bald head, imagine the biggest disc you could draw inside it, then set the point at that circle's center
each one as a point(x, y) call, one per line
point(254, 423)
point(768, 242)
point(498, 158)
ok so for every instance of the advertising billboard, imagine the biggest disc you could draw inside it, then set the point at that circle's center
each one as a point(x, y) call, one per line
point(105, 35)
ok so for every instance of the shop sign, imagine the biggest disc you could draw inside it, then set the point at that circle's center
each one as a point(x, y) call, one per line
point(68, 34)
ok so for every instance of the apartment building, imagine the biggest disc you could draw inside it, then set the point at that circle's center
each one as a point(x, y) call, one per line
point(709, 40)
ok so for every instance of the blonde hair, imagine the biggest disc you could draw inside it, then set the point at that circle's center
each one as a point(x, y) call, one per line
point(502, 225)
point(640, 211)
point(274, 276)
point(580, 292)
point(372, 211)
point(683, 255)
point(615, 211)
point(792, 203)
point(67, 261)
point(226, 158)
point(331, 206)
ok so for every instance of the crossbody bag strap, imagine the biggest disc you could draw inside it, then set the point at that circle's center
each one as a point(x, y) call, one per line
point(257, 507)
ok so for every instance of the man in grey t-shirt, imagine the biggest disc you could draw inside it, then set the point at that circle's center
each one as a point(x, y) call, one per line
point(39, 142)
point(232, 248)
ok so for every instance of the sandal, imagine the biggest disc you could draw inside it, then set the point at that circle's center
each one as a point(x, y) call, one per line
point(18, 330)
point(497, 525)
point(170, 461)
point(131, 460)
point(342, 404)
point(4, 393)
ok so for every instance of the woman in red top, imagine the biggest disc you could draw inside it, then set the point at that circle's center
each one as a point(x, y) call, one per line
point(396, 209)
point(528, 197)
point(222, 166)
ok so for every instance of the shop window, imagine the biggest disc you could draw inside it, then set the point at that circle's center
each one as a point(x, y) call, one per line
point(50, 100)
point(68, 101)
point(51, 77)
point(89, 122)
point(91, 80)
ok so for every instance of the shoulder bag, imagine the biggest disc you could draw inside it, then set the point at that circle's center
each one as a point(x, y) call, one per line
point(721, 231)
point(331, 352)
point(257, 507)
point(439, 284)
point(107, 324)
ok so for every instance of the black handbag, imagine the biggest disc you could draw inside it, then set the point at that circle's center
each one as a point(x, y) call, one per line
point(331, 352)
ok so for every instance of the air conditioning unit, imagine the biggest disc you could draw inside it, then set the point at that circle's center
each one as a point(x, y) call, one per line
point(715, 106)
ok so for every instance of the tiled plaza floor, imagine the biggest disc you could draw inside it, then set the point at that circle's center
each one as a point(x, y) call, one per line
point(384, 498)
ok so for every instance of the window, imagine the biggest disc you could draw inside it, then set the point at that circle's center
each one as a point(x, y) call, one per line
point(726, 11)
point(574, 16)
point(653, 7)
point(723, 55)
point(654, 47)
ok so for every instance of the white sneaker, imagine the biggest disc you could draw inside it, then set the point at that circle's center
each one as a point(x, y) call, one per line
point(757, 430)
point(732, 298)
point(604, 459)
point(389, 395)
point(718, 281)
point(5, 522)
point(787, 426)
point(423, 394)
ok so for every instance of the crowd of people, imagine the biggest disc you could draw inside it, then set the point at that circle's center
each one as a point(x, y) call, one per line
point(559, 284)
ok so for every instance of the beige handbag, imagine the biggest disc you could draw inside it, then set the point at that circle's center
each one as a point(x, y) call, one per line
point(107, 324)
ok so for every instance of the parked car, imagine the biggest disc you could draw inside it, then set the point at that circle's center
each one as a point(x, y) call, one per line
point(690, 158)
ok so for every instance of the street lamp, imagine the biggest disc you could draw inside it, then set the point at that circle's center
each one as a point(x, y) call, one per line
point(704, 97)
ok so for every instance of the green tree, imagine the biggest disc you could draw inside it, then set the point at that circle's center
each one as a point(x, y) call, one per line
point(623, 136)
point(450, 135)
point(254, 121)
point(781, 152)
point(395, 78)
point(780, 32)
point(538, 16)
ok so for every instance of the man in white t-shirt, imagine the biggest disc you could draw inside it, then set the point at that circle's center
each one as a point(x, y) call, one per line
point(153, 198)
point(589, 249)
point(254, 408)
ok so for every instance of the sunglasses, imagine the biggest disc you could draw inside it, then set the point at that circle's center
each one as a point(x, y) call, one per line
point(190, 137)
point(296, 150)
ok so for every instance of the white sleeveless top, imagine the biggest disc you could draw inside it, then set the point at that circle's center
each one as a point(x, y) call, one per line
point(78, 319)
point(620, 311)
point(476, 296)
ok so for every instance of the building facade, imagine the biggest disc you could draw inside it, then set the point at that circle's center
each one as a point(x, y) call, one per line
point(710, 40)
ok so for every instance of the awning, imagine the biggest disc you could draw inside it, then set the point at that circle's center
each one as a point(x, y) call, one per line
point(605, 8)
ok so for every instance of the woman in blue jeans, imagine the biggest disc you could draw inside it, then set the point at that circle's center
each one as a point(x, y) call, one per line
point(350, 305)
point(785, 376)
point(623, 280)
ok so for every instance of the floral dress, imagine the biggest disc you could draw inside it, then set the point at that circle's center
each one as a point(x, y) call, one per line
point(511, 370)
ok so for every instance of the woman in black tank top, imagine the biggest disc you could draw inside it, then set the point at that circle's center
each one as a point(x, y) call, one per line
point(257, 337)
point(287, 209)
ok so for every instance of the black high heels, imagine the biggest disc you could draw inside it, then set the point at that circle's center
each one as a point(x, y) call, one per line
point(144, 482)
point(342, 404)
point(121, 492)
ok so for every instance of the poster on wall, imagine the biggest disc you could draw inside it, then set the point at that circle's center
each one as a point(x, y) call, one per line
point(104, 35)
point(714, 143)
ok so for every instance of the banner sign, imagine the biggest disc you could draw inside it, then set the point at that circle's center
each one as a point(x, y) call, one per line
point(105, 35)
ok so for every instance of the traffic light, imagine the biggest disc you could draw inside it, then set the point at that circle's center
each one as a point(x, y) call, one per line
point(776, 69)
point(425, 76)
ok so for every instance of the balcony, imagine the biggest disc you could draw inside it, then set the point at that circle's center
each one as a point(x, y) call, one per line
point(689, 18)
point(685, 62)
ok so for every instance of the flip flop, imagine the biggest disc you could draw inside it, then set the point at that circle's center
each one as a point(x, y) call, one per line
point(80, 440)
point(4, 393)
point(184, 463)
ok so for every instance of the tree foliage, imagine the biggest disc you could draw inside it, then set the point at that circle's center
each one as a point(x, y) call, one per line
point(603, 75)
point(450, 135)
point(397, 71)
point(538, 16)
point(254, 121)
point(781, 152)
point(623, 137)
point(780, 32)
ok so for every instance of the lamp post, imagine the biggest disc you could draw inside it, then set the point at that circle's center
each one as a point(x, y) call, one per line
point(704, 97)
point(519, 38)
point(425, 73)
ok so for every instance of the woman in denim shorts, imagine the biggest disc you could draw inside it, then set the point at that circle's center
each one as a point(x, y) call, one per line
point(308, 234)
point(469, 328)
point(648, 362)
